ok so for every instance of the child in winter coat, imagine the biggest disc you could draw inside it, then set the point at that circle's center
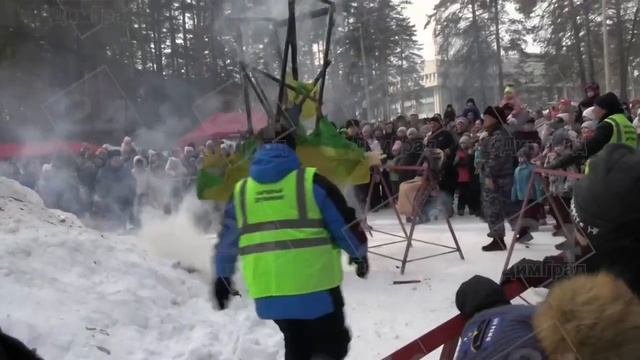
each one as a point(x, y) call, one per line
point(464, 166)
point(561, 187)
point(521, 178)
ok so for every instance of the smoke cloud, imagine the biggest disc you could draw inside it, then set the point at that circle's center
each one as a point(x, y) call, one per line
point(181, 236)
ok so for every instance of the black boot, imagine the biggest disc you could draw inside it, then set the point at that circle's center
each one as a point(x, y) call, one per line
point(524, 236)
point(497, 244)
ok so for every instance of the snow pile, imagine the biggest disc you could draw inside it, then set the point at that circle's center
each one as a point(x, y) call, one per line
point(74, 293)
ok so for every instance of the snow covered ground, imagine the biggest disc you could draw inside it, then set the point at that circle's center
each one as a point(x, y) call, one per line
point(75, 293)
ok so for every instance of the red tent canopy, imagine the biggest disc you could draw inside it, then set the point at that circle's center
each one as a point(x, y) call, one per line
point(13, 150)
point(221, 125)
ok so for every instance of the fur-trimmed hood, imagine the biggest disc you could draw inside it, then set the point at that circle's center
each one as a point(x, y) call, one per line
point(594, 316)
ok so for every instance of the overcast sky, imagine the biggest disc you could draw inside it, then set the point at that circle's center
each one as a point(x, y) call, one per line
point(417, 12)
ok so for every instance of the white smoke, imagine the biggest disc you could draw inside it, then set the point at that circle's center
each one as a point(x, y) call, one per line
point(180, 236)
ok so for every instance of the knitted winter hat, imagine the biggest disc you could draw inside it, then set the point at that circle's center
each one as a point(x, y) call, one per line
point(560, 137)
point(139, 159)
point(352, 123)
point(436, 119)
point(589, 114)
point(495, 112)
point(589, 124)
point(610, 103)
point(477, 294)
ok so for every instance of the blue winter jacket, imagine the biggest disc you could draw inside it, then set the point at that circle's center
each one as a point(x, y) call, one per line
point(271, 163)
point(501, 333)
point(521, 178)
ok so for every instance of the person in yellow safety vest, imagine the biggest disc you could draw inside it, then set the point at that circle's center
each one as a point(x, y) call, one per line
point(613, 128)
point(288, 225)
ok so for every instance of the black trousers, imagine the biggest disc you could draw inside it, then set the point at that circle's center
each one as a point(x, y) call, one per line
point(324, 338)
point(463, 196)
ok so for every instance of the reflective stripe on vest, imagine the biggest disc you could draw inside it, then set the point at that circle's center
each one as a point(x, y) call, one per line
point(623, 131)
point(283, 243)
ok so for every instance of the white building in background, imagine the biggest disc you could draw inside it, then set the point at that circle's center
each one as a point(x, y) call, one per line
point(431, 98)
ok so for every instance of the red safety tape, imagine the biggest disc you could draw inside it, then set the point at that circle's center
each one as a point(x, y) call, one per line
point(445, 332)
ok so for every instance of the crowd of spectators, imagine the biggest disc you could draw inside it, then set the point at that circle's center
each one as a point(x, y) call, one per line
point(561, 137)
point(110, 184)
point(115, 182)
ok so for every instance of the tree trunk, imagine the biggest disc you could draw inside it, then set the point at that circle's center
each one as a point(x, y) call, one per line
point(575, 28)
point(199, 45)
point(185, 40)
point(587, 27)
point(496, 13)
point(214, 65)
point(624, 73)
point(401, 88)
point(619, 36)
point(173, 43)
point(157, 36)
point(141, 36)
point(479, 58)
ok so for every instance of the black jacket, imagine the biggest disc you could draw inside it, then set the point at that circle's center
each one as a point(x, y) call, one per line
point(411, 156)
point(360, 141)
point(445, 141)
point(338, 200)
point(497, 152)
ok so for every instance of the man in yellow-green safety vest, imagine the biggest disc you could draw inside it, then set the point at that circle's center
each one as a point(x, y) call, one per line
point(289, 226)
point(613, 128)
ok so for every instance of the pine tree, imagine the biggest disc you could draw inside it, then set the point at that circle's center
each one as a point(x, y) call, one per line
point(462, 30)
